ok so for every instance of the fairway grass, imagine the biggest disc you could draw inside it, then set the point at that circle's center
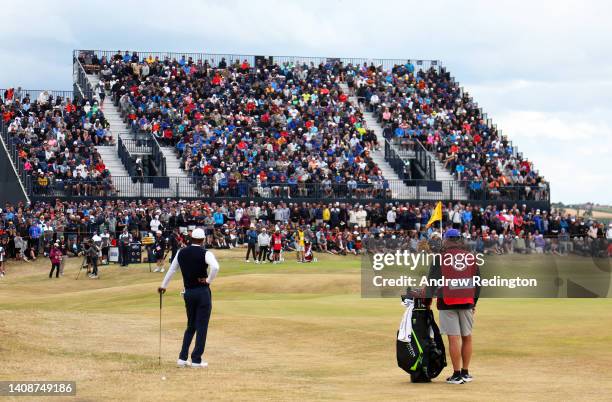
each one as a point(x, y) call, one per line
point(284, 332)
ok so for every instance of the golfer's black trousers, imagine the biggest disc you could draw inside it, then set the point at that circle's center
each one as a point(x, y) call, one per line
point(198, 303)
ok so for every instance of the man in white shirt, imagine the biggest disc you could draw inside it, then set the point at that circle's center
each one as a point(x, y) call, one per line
point(391, 217)
point(264, 245)
point(155, 224)
point(361, 216)
point(194, 261)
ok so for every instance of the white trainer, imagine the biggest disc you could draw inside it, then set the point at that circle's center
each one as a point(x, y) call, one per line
point(203, 364)
point(156, 270)
point(182, 363)
point(163, 270)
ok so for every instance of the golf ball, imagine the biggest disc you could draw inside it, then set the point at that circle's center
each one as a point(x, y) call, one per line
point(163, 377)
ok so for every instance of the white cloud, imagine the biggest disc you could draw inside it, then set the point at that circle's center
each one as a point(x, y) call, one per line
point(571, 150)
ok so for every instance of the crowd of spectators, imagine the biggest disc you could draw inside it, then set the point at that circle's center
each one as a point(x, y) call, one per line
point(55, 140)
point(338, 228)
point(430, 107)
point(282, 128)
point(278, 128)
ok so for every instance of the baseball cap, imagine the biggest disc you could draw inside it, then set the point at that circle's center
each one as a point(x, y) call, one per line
point(198, 234)
point(451, 233)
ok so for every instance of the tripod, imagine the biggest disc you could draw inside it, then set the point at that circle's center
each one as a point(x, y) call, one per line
point(84, 264)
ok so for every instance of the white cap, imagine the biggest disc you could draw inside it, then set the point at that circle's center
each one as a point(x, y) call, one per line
point(198, 234)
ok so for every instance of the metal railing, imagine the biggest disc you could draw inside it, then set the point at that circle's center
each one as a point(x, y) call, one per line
point(215, 58)
point(159, 160)
point(126, 157)
point(81, 82)
point(153, 147)
point(424, 160)
point(20, 93)
point(404, 147)
point(204, 187)
point(400, 165)
point(138, 146)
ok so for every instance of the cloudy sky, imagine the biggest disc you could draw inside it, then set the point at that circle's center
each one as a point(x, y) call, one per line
point(541, 69)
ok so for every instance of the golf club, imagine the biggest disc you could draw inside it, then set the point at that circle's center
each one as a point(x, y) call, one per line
point(161, 295)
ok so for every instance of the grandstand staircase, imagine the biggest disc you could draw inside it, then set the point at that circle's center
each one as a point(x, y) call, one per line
point(405, 191)
point(110, 155)
point(173, 164)
point(378, 156)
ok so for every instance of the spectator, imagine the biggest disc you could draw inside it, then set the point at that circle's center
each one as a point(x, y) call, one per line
point(55, 255)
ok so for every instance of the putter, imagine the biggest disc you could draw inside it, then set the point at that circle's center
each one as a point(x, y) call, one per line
point(161, 295)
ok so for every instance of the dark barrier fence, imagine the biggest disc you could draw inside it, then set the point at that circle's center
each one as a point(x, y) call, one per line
point(204, 187)
point(10, 184)
point(13, 154)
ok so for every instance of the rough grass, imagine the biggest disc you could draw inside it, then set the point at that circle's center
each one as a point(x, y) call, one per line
point(284, 332)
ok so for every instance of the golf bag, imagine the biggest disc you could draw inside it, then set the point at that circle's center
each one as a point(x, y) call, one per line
point(422, 353)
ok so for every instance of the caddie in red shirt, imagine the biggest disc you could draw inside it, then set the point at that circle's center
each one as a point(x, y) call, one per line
point(277, 245)
point(456, 301)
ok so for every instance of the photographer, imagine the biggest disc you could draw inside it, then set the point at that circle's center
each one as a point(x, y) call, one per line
point(124, 247)
point(91, 251)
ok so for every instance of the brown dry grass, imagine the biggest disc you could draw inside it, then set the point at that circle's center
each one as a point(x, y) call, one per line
point(289, 332)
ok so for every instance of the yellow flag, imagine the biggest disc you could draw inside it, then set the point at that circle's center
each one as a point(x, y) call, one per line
point(437, 214)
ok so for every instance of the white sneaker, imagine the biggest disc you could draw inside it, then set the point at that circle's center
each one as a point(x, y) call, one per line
point(94, 277)
point(247, 260)
point(204, 364)
point(163, 270)
point(256, 261)
point(156, 270)
point(182, 363)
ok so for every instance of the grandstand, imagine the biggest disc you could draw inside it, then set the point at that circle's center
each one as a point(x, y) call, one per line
point(208, 126)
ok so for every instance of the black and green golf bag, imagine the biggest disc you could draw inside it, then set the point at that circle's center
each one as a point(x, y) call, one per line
point(424, 357)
